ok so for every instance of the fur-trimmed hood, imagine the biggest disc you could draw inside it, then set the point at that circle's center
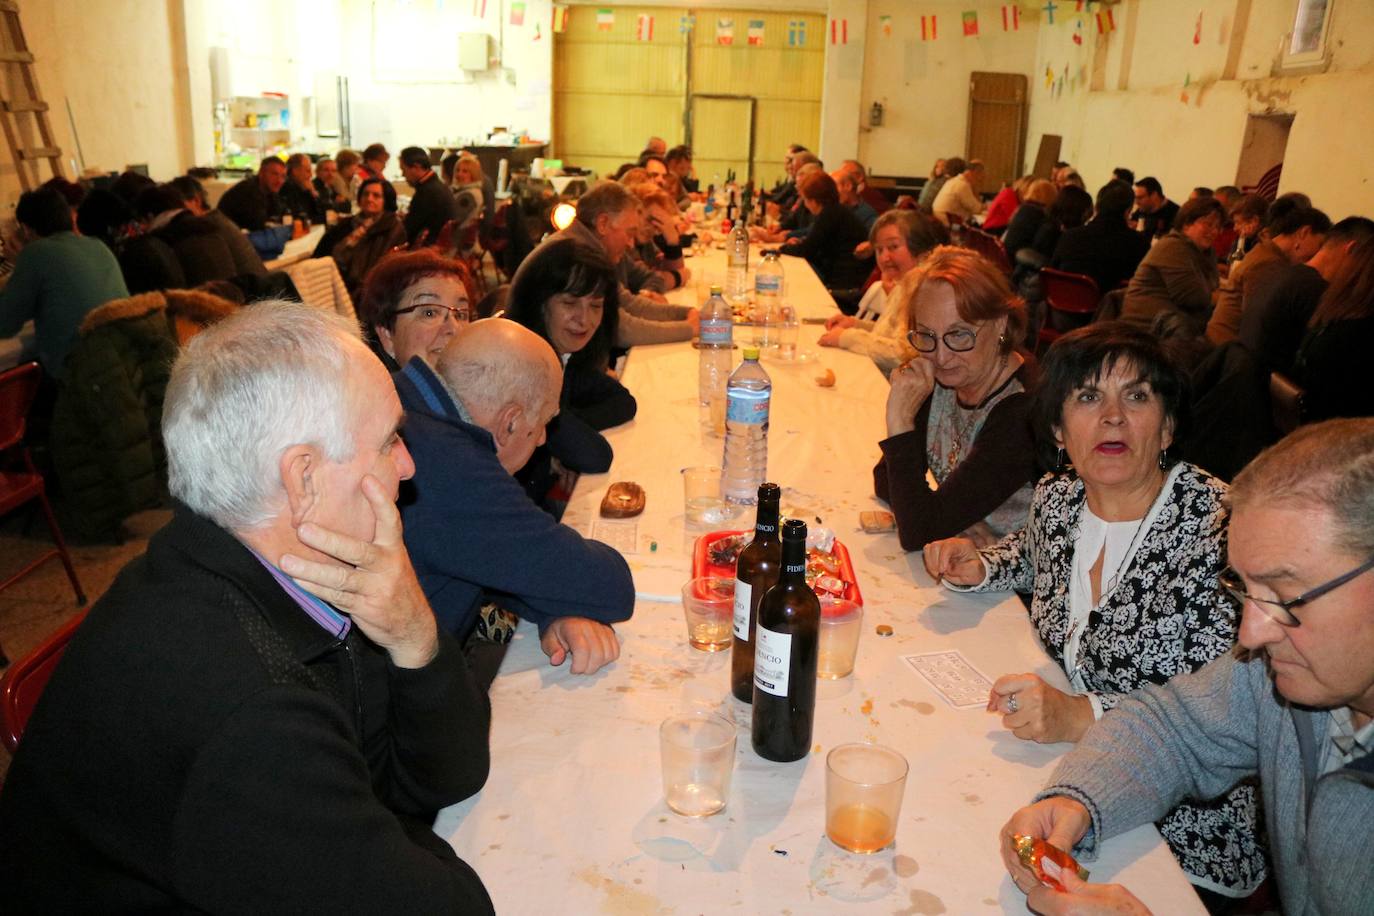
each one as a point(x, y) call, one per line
point(189, 305)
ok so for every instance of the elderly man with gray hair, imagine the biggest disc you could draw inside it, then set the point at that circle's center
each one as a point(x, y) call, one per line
point(1297, 709)
point(471, 529)
point(608, 218)
point(261, 714)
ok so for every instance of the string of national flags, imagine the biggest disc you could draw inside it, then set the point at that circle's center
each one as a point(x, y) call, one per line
point(969, 24)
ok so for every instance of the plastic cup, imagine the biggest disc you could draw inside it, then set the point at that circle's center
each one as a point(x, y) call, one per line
point(698, 751)
point(709, 606)
point(702, 498)
point(841, 624)
point(863, 796)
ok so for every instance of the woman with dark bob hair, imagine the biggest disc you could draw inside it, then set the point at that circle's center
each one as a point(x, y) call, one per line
point(358, 242)
point(413, 303)
point(572, 301)
point(1121, 552)
point(960, 409)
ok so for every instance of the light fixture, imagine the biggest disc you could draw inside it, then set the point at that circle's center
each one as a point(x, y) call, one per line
point(563, 215)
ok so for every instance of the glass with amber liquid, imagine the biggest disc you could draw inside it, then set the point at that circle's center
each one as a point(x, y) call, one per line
point(785, 654)
point(756, 572)
point(864, 784)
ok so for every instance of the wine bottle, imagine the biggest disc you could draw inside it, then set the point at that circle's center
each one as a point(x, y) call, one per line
point(756, 572)
point(785, 653)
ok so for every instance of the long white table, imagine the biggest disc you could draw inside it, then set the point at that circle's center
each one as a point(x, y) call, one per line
point(572, 819)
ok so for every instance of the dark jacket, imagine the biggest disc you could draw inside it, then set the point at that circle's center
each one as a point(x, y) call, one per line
point(107, 423)
point(1159, 223)
point(247, 261)
point(248, 760)
point(1275, 319)
point(1107, 250)
point(472, 532)
point(1332, 365)
point(1176, 276)
point(431, 207)
point(250, 206)
point(302, 203)
point(355, 260)
point(199, 247)
point(1025, 223)
point(829, 247)
point(148, 263)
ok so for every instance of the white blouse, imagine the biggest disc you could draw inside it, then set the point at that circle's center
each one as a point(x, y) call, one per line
point(1092, 537)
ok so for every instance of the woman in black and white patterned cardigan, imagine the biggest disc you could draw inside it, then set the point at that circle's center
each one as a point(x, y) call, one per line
point(1121, 554)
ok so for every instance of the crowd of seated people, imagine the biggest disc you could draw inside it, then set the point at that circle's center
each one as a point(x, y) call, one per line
point(320, 653)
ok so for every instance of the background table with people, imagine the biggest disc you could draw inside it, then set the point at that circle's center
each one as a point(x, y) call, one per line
point(575, 786)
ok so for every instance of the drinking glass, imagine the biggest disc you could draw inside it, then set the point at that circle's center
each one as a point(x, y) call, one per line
point(703, 502)
point(698, 752)
point(863, 796)
point(841, 624)
point(708, 603)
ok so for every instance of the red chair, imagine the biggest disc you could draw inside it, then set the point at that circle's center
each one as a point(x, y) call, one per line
point(443, 243)
point(20, 483)
point(23, 683)
point(1072, 298)
point(989, 246)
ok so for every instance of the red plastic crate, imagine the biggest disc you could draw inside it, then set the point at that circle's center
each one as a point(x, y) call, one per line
point(701, 565)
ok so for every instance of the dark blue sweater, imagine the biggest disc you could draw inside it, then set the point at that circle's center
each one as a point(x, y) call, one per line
point(471, 530)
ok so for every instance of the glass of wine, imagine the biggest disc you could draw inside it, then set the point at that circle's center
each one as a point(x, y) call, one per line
point(863, 796)
point(709, 605)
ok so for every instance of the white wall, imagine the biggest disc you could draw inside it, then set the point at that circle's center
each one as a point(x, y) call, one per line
point(1140, 119)
point(924, 85)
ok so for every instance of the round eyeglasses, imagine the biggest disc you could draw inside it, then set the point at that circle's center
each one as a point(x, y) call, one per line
point(959, 340)
point(1281, 612)
point(433, 313)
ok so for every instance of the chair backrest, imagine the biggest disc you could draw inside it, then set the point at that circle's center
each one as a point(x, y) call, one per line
point(1285, 403)
point(18, 386)
point(1074, 293)
point(989, 246)
point(23, 683)
point(444, 242)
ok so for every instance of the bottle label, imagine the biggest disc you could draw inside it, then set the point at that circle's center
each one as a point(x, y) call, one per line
point(747, 406)
point(772, 660)
point(716, 331)
point(800, 568)
point(766, 284)
point(766, 528)
point(743, 592)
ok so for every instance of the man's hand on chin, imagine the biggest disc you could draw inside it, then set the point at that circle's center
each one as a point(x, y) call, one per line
point(592, 645)
point(373, 582)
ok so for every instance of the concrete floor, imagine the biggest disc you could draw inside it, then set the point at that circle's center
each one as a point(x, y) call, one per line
point(38, 604)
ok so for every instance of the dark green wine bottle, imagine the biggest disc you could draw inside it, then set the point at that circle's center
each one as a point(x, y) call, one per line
point(756, 572)
point(785, 652)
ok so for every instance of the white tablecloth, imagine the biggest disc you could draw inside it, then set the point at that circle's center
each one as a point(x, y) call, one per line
point(572, 819)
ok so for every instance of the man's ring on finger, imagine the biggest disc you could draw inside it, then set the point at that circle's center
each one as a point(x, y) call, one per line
point(1012, 705)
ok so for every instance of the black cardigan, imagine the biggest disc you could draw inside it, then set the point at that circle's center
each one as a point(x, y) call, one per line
point(204, 745)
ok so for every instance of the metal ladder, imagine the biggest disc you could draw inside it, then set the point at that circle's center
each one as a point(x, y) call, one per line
point(23, 113)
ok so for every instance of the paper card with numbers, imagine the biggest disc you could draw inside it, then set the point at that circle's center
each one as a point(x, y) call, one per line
point(958, 682)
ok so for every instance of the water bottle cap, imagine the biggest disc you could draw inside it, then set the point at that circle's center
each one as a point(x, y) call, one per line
point(751, 352)
point(715, 290)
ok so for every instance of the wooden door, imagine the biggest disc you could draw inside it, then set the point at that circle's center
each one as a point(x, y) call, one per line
point(997, 113)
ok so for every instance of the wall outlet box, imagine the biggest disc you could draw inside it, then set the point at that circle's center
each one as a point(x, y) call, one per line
point(474, 51)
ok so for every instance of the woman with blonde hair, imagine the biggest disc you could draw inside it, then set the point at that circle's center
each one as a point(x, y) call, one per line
point(961, 409)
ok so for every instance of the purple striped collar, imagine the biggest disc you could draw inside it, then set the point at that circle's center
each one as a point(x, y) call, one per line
point(321, 612)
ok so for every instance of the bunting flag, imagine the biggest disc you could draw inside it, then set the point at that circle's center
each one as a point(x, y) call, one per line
point(928, 28)
point(517, 13)
point(796, 33)
point(560, 19)
point(1105, 22)
point(885, 23)
point(1011, 17)
point(479, 8)
point(1049, 77)
point(755, 33)
point(537, 34)
point(644, 28)
point(1078, 32)
point(1049, 9)
point(725, 31)
point(605, 19)
point(686, 23)
point(1197, 30)
point(839, 31)
point(970, 18)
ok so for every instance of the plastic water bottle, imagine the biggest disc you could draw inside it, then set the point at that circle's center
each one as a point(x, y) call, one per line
point(716, 341)
point(737, 267)
point(768, 301)
point(746, 431)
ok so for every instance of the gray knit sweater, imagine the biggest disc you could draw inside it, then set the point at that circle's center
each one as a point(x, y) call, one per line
point(1200, 733)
